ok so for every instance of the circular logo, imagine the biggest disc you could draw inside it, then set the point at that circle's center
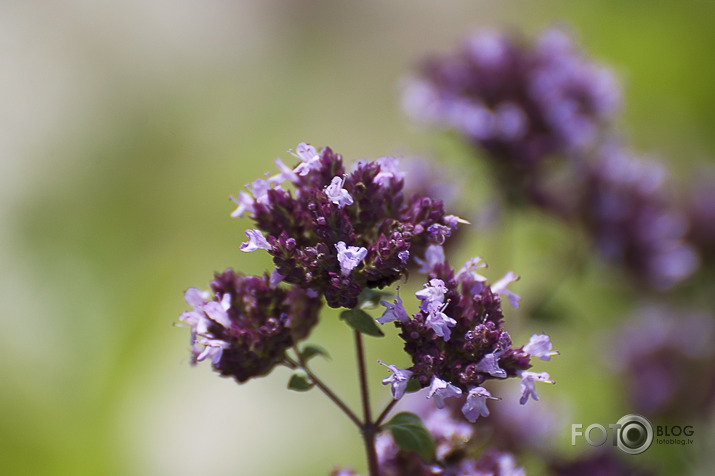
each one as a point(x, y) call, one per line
point(634, 435)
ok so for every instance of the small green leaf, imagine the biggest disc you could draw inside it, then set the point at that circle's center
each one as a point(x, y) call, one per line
point(370, 298)
point(299, 381)
point(312, 350)
point(410, 434)
point(361, 321)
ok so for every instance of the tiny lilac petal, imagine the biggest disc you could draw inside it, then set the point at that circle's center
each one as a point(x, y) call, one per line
point(311, 293)
point(404, 255)
point(476, 404)
point(276, 278)
point(256, 241)
point(337, 194)
point(434, 254)
point(286, 173)
point(226, 302)
point(441, 390)
point(349, 257)
point(306, 152)
point(539, 346)
point(394, 312)
point(195, 297)
point(214, 349)
point(489, 365)
point(500, 288)
point(217, 313)
point(389, 168)
point(471, 267)
point(259, 189)
point(452, 220)
point(433, 292)
point(198, 321)
point(304, 168)
point(245, 204)
point(439, 233)
point(528, 379)
point(439, 321)
point(398, 380)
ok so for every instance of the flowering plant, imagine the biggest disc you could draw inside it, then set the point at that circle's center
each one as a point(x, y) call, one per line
point(340, 236)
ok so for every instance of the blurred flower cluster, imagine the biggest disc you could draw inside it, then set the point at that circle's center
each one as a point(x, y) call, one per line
point(542, 115)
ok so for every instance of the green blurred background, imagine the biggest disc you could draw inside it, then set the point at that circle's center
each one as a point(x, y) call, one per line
point(124, 128)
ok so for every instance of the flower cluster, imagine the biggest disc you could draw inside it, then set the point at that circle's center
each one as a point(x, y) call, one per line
point(340, 232)
point(522, 103)
point(626, 208)
point(456, 340)
point(245, 325)
point(667, 362)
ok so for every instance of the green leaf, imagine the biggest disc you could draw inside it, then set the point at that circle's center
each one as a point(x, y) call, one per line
point(370, 298)
point(361, 321)
point(299, 381)
point(311, 350)
point(410, 434)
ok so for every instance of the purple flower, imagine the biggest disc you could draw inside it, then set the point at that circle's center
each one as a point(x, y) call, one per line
point(244, 202)
point(307, 229)
point(452, 221)
point(277, 278)
point(476, 404)
point(398, 380)
point(528, 379)
point(389, 170)
point(256, 241)
point(434, 255)
point(439, 233)
point(440, 390)
point(432, 293)
point(246, 325)
point(439, 321)
point(310, 160)
point(539, 346)
point(286, 173)
point(394, 312)
point(489, 365)
point(337, 194)
point(660, 348)
point(626, 208)
point(521, 103)
point(500, 288)
point(457, 335)
point(218, 311)
point(259, 188)
point(471, 267)
point(349, 257)
point(213, 348)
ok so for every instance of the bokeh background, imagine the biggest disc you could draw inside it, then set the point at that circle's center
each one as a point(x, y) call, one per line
point(125, 126)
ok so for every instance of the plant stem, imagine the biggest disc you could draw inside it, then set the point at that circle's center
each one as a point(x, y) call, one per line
point(369, 429)
point(324, 388)
point(384, 413)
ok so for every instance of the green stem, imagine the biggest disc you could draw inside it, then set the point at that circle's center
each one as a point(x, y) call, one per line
point(369, 429)
point(324, 388)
